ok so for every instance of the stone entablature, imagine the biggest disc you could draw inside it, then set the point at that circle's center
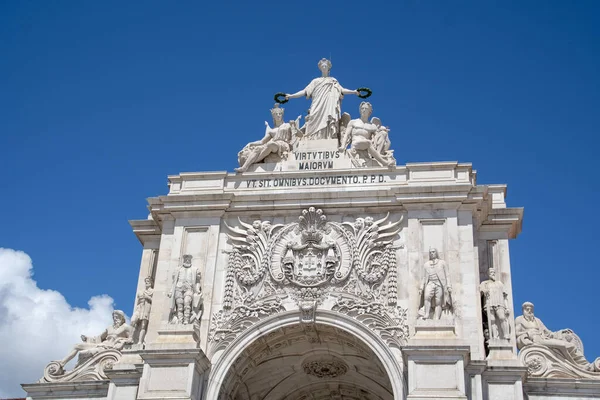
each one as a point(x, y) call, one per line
point(413, 174)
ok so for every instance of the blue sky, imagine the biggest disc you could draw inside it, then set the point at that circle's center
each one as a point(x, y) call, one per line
point(100, 101)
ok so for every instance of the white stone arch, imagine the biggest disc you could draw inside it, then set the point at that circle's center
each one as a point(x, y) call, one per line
point(391, 359)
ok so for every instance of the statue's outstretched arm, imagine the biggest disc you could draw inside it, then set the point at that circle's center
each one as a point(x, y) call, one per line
point(301, 93)
point(98, 339)
point(349, 91)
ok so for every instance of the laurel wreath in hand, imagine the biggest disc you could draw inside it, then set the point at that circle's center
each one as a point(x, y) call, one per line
point(364, 92)
point(280, 98)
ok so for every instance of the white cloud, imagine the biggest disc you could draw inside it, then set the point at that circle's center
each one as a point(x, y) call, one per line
point(36, 325)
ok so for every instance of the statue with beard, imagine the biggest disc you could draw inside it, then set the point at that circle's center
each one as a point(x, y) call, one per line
point(531, 331)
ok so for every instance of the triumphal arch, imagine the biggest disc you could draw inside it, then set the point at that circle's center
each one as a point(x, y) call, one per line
point(323, 269)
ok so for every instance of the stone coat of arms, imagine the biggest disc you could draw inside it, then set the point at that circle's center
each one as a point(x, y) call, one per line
point(308, 261)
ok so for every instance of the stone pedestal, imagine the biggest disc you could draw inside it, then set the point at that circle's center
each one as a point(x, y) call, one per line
point(500, 350)
point(173, 374)
point(503, 380)
point(174, 365)
point(67, 390)
point(175, 336)
point(434, 329)
point(124, 383)
point(436, 371)
point(125, 375)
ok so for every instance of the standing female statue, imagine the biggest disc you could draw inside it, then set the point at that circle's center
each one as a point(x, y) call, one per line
point(326, 96)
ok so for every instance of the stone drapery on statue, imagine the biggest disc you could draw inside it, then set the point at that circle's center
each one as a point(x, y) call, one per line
point(368, 139)
point(326, 96)
point(495, 306)
point(323, 141)
point(435, 290)
point(95, 353)
point(141, 314)
point(551, 354)
point(276, 143)
point(186, 294)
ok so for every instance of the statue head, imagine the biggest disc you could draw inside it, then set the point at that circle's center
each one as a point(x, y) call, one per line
point(325, 66)
point(433, 253)
point(265, 226)
point(118, 318)
point(527, 309)
point(365, 108)
point(148, 281)
point(277, 113)
point(492, 274)
point(187, 260)
point(359, 223)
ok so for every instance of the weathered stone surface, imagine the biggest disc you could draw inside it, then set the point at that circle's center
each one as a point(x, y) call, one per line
point(322, 271)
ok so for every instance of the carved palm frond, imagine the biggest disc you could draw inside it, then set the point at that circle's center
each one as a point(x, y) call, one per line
point(374, 236)
point(250, 247)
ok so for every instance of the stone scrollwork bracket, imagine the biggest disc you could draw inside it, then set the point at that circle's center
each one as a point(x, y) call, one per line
point(92, 368)
point(542, 362)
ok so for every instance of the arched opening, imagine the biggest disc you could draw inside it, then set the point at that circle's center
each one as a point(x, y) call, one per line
point(284, 359)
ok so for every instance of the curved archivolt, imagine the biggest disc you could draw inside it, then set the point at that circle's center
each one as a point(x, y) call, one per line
point(307, 362)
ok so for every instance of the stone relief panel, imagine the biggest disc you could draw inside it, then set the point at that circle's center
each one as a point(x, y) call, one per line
point(348, 267)
point(195, 243)
point(95, 354)
point(550, 354)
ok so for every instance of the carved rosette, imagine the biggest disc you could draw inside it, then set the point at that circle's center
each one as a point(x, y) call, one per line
point(309, 261)
point(92, 369)
point(325, 368)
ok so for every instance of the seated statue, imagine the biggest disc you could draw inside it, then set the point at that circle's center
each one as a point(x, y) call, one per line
point(113, 337)
point(367, 136)
point(564, 344)
point(277, 141)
